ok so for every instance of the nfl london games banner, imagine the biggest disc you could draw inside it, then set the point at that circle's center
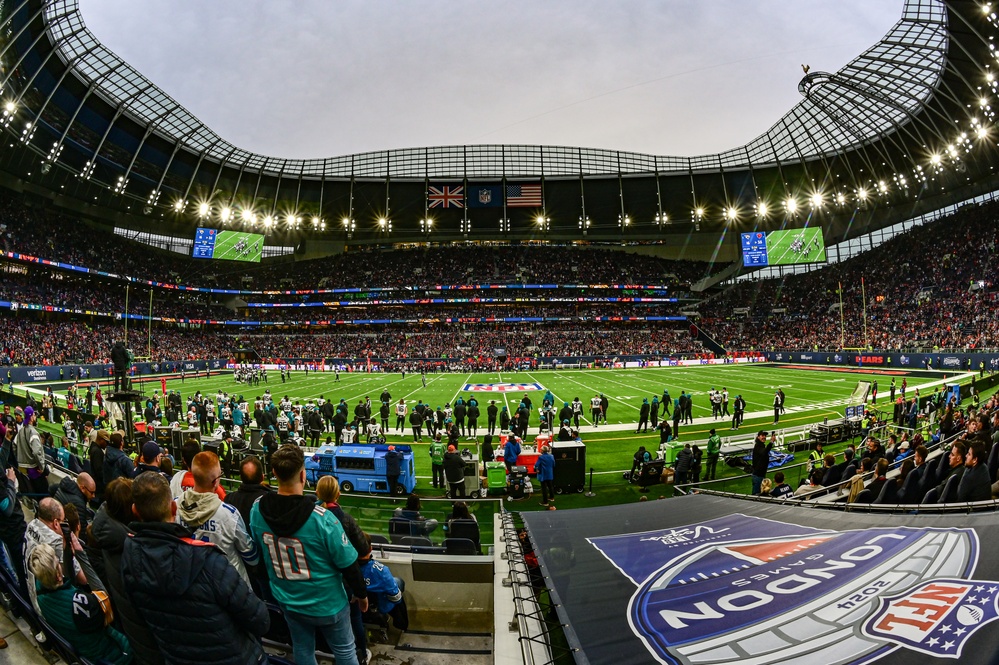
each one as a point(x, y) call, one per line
point(717, 581)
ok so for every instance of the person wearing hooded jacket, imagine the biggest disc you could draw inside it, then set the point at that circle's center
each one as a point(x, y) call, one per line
point(201, 510)
point(511, 451)
point(79, 492)
point(30, 454)
point(297, 535)
point(643, 417)
point(109, 531)
point(200, 608)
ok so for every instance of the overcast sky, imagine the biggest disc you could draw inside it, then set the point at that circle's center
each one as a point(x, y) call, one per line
point(318, 78)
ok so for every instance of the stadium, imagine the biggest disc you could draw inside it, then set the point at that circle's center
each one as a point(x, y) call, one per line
point(759, 385)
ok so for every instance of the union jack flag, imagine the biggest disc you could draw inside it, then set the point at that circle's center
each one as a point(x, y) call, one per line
point(446, 196)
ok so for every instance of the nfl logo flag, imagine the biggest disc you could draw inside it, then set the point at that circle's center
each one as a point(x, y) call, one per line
point(523, 196)
point(485, 196)
point(446, 196)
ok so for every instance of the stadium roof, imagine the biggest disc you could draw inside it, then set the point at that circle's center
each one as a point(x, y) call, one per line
point(905, 126)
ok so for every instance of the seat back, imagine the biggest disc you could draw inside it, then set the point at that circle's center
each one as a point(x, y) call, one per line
point(931, 496)
point(950, 490)
point(865, 496)
point(460, 546)
point(943, 466)
point(910, 487)
point(399, 528)
point(468, 529)
point(416, 540)
point(888, 493)
point(278, 633)
point(994, 462)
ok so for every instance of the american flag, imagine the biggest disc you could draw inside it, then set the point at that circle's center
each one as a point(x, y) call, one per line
point(523, 196)
point(446, 196)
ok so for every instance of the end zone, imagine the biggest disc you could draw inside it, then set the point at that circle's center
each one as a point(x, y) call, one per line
point(502, 387)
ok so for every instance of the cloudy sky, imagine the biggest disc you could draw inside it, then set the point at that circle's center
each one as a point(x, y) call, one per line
point(318, 78)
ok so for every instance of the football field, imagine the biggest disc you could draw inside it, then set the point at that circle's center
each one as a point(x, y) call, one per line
point(812, 393)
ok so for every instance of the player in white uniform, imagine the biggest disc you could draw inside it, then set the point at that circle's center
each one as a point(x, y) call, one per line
point(596, 410)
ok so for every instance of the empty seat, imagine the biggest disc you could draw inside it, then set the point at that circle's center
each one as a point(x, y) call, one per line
point(460, 546)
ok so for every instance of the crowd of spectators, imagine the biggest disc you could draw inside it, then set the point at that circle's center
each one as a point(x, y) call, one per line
point(900, 466)
point(26, 342)
point(126, 568)
point(53, 288)
point(51, 235)
point(446, 342)
point(932, 286)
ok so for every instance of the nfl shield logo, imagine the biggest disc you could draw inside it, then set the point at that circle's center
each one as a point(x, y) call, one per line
point(485, 196)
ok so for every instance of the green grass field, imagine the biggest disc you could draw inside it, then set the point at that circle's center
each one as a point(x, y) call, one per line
point(812, 394)
point(780, 249)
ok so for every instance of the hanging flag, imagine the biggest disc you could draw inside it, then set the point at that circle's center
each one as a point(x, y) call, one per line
point(485, 196)
point(523, 196)
point(446, 196)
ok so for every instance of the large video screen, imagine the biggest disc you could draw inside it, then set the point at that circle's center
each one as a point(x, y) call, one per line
point(228, 245)
point(777, 248)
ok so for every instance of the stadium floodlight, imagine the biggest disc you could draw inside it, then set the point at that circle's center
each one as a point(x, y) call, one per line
point(178, 205)
point(883, 187)
point(935, 159)
point(840, 198)
point(10, 108)
point(293, 220)
point(382, 222)
point(817, 200)
point(204, 209)
point(982, 132)
point(699, 213)
point(661, 219)
point(761, 209)
point(269, 221)
point(983, 102)
point(248, 216)
point(791, 205)
point(226, 214)
point(345, 221)
point(316, 222)
point(732, 214)
point(862, 194)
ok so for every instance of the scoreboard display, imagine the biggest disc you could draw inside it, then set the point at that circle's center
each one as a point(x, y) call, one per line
point(774, 248)
point(228, 245)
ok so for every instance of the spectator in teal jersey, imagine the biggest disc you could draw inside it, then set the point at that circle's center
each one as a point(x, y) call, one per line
point(309, 559)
